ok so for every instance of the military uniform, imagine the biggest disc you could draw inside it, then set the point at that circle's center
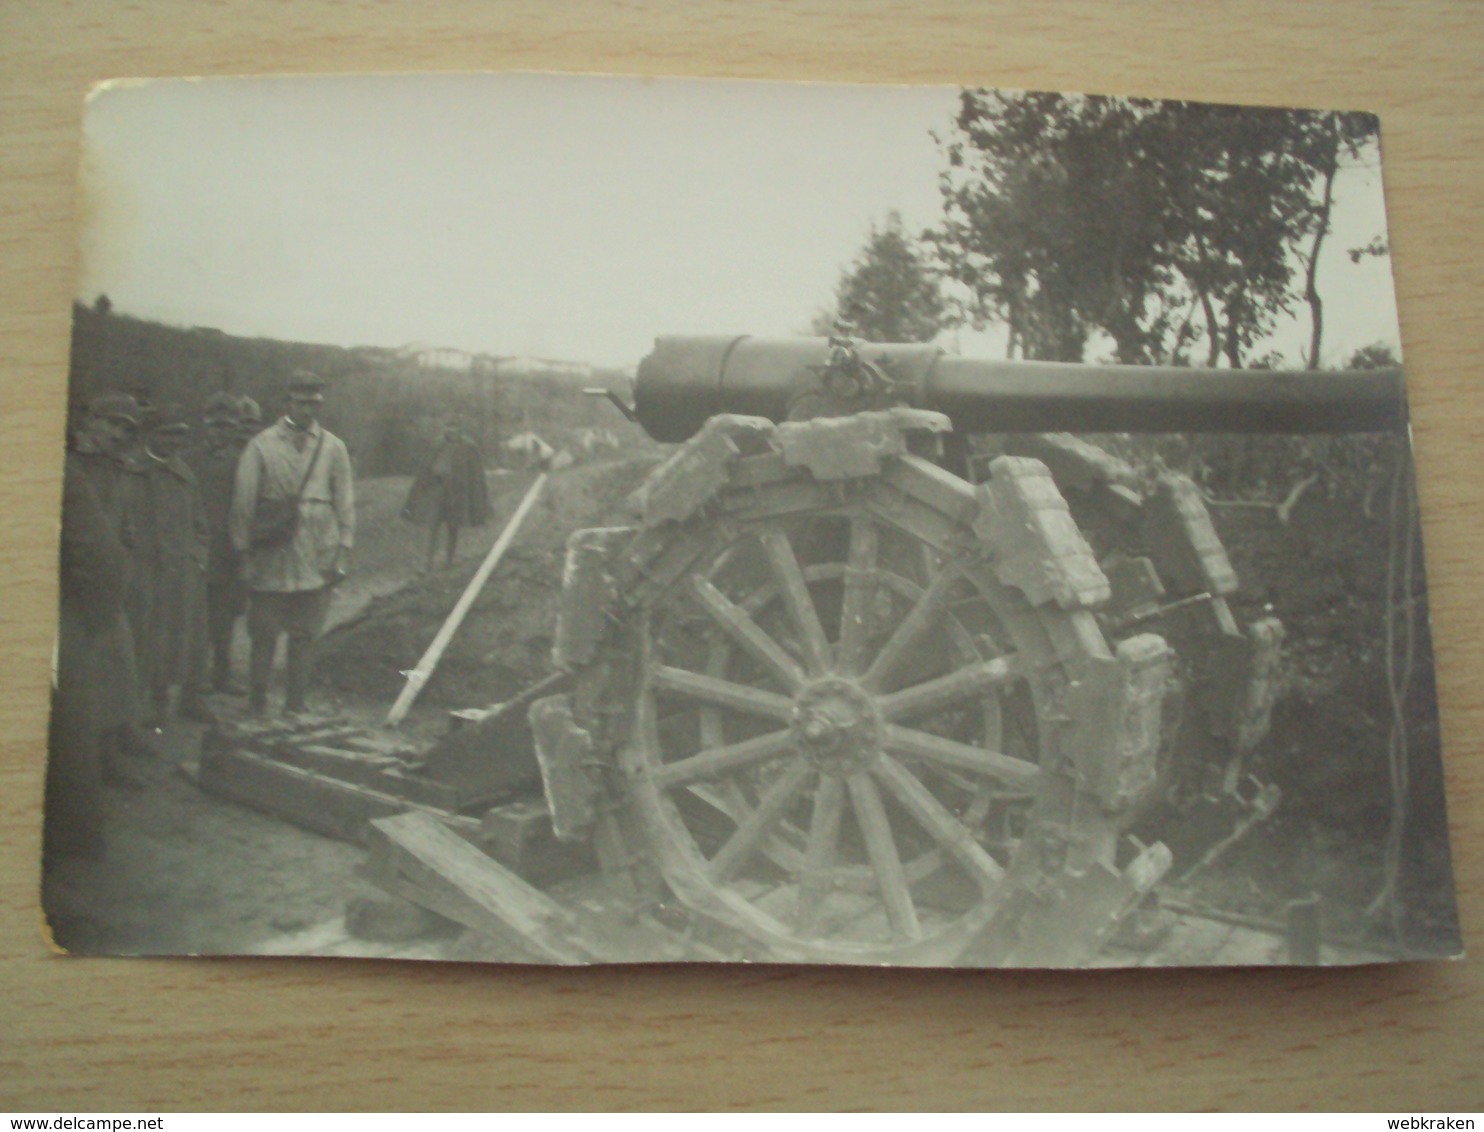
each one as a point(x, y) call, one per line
point(289, 583)
point(449, 491)
point(92, 570)
point(115, 495)
point(215, 466)
point(167, 600)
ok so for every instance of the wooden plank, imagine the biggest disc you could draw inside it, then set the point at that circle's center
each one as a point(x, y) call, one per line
point(1191, 943)
point(441, 871)
point(380, 773)
point(762, 470)
point(485, 762)
point(915, 518)
point(309, 800)
point(1246, 947)
point(419, 676)
point(788, 497)
point(374, 742)
point(936, 487)
point(312, 801)
point(519, 835)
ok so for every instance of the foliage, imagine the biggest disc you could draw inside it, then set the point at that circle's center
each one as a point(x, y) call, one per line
point(1068, 215)
point(889, 293)
point(1268, 466)
point(1378, 355)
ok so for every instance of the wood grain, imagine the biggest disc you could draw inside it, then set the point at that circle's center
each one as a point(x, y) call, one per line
point(161, 1034)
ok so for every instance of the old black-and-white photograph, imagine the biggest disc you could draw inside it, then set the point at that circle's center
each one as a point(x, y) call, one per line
point(562, 519)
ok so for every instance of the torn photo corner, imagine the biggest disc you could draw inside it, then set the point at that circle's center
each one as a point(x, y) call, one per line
point(733, 521)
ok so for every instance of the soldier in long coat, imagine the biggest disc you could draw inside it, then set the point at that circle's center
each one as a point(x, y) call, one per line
point(92, 568)
point(214, 462)
point(449, 492)
point(167, 608)
point(291, 573)
point(98, 453)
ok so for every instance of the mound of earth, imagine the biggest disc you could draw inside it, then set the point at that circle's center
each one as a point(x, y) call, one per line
point(504, 643)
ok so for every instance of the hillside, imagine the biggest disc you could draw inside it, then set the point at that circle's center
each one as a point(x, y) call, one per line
point(386, 404)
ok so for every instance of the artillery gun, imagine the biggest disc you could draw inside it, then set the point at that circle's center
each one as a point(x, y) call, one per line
point(858, 707)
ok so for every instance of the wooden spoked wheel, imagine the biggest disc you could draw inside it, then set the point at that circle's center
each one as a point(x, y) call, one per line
point(837, 737)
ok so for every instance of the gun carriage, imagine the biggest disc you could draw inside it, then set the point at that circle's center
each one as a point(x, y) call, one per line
point(859, 707)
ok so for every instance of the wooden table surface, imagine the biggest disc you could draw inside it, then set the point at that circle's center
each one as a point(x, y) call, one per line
point(163, 1034)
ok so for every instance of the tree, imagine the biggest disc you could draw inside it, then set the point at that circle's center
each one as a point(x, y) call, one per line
point(1066, 215)
point(1378, 355)
point(888, 294)
point(1326, 136)
point(1045, 225)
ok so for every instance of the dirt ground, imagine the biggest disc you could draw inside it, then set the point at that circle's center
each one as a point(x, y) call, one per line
point(384, 625)
point(186, 873)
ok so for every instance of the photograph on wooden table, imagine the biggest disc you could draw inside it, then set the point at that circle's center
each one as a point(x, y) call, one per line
point(572, 519)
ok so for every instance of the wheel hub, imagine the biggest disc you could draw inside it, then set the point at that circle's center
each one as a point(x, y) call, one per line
point(837, 726)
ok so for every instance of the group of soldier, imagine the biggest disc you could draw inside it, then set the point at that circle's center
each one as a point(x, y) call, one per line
point(171, 532)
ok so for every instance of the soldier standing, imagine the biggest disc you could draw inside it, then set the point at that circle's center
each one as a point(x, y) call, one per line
point(92, 584)
point(167, 608)
point(449, 491)
point(95, 697)
point(249, 419)
point(293, 520)
point(99, 456)
point(214, 463)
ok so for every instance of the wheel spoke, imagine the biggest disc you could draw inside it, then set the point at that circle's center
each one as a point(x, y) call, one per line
point(860, 592)
point(717, 760)
point(750, 832)
point(795, 593)
point(920, 699)
point(749, 636)
point(817, 879)
point(944, 828)
point(723, 693)
point(949, 752)
point(904, 640)
point(870, 814)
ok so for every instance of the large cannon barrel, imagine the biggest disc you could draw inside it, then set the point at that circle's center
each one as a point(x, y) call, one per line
point(688, 379)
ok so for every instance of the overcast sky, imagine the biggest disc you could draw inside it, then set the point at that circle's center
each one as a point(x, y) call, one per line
point(557, 216)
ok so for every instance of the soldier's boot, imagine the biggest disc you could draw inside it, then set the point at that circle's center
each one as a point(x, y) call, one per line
point(193, 706)
point(132, 741)
point(157, 709)
point(121, 764)
point(260, 668)
point(297, 674)
point(221, 671)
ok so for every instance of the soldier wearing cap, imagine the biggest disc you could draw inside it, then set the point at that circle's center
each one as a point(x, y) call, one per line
point(103, 450)
point(102, 444)
point(249, 418)
point(299, 467)
point(214, 462)
point(167, 607)
point(95, 697)
point(91, 609)
point(449, 491)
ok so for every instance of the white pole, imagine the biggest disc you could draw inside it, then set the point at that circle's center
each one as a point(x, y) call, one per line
point(420, 675)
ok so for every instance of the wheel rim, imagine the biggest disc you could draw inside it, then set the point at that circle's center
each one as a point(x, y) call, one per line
point(836, 743)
